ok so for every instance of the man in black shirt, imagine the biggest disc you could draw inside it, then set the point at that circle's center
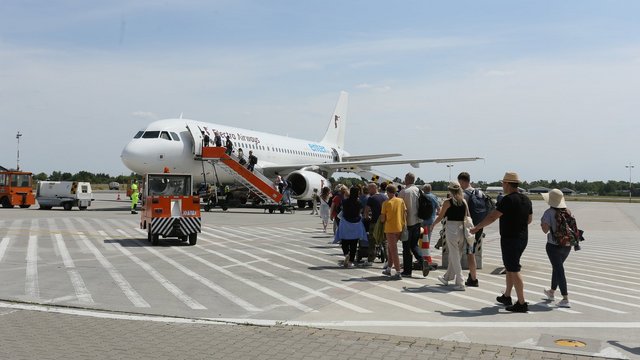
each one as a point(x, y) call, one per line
point(515, 213)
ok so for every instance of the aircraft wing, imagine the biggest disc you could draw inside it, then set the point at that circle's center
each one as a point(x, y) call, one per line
point(348, 166)
point(368, 157)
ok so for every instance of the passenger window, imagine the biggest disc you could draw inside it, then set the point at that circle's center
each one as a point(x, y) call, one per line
point(151, 134)
point(175, 136)
point(165, 135)
point(138, 134)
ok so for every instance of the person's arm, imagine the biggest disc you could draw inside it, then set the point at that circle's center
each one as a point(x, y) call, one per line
point(367, 212)
point(488, 220)
point(443, 211)
point(529, 219)
point(545, 227)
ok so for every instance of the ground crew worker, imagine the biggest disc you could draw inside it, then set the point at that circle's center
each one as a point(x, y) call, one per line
point(134, 197)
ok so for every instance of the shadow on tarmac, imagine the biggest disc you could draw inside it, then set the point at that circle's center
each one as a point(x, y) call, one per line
point(632, 350)
point(144, 243)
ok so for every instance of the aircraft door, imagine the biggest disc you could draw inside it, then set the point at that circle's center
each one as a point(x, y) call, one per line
point(196, 135)
point(336, 156)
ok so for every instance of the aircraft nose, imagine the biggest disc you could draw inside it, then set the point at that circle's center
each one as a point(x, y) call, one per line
point(134, 156)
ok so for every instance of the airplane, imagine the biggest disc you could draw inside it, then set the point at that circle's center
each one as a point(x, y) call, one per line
point(176, 144)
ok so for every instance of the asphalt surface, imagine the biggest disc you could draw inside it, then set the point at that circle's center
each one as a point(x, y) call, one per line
point(88, 284)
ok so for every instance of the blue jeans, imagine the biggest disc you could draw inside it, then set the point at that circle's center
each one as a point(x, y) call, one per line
point(410, 248)
point(557, 255)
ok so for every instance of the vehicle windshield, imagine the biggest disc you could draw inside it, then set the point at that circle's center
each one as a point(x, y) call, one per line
point(21, 180)
point(169, 185)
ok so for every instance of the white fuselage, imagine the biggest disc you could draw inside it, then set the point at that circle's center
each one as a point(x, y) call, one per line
point(173, 144)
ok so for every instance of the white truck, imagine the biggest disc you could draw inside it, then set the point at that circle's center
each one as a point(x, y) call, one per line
point(64, 193)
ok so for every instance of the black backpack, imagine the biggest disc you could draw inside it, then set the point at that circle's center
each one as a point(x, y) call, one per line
point(480, 205)
point(425, 207)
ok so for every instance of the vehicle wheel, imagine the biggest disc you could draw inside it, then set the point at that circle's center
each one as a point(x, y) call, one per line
point(6, 203)
point(193, 238)
point(224, 208)
point(149, 236)
point(282, 210)
point(67, 206)
point(25, 206)
point(44, 207)
point(155, 239)
point(270, 210)
point(83, 208)
point(302, 204)
point(243, 200)
point(183, 238)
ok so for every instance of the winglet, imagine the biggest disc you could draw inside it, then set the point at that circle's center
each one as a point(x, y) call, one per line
point(337, 123)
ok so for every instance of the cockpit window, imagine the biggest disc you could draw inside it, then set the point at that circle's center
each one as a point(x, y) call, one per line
point(151, 134)
point(137, 136)
point(175, 136)
point(165, 135)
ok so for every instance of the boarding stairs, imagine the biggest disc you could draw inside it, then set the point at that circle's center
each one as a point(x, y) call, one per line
point(256, 182)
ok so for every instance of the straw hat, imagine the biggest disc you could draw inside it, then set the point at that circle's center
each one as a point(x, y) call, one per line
point(555, 199)
point(511, 177)
point(454, 186)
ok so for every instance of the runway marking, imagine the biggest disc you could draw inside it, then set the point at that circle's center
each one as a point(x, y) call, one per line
point(31, 287)
point(206, 282)
point(529, 283)
point(312, 292)
point(82, 293)
point(133, 296)
point(174, 290)
point(341, 286)
point(3, 247)
point(248, 282)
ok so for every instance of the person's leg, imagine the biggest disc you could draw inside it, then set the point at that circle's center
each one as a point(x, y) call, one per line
point(353, 249)
point(392, 255)
point(471, 256)
point(554, 259)
point(516, 279)
point(562, 280)
point(414, 238)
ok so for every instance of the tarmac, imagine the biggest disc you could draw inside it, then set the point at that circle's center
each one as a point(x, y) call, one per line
point(87, 285)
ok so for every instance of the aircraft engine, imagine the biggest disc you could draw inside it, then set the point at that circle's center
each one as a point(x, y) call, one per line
point(303, 182)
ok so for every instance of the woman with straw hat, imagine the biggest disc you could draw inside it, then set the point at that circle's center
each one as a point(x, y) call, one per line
point(557, 253)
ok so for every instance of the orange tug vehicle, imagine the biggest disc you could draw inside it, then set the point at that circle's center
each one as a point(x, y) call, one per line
point(169, 208)
point(16, 189)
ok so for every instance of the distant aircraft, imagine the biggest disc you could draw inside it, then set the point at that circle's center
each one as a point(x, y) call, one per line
point(177, 145)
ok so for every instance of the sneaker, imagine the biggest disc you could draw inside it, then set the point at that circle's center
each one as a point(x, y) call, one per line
point(404, 274)
point(366, 263)
point(350, 266)
point(504, 300)
point(459, 288)
point(443, 280)
point(549, 294)
point(518, 308)
point(386, 271)
point(564, 303)
point(396, 276)
point(471, 282)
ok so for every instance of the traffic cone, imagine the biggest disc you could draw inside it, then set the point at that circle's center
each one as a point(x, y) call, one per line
point(424, 244)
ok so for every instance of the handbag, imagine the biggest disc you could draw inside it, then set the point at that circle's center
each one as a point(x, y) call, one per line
point(404, 236)
point(468, 225)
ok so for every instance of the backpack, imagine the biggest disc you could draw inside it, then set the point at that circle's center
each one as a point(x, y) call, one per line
point(567, 232)
point(425, 207)
point(480, 205)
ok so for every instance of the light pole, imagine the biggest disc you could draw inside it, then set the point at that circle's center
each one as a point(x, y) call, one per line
point(449, 166)
point(18, 136)
point(629, 167)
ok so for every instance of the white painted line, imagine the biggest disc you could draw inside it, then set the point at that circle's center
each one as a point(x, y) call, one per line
point(3, 247)
point(82, 293)
point(174, 290)
point(108, 315)
point(31, 287)
point(124, 285)
point(206, 282)
point(307, 289)
point(337, 285)
point(248, 282)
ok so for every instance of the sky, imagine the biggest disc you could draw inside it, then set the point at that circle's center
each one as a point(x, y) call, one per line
point(548, 89)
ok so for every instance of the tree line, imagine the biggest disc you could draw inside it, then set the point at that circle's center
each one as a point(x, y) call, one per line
point(608, 188)
point(601, 188)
